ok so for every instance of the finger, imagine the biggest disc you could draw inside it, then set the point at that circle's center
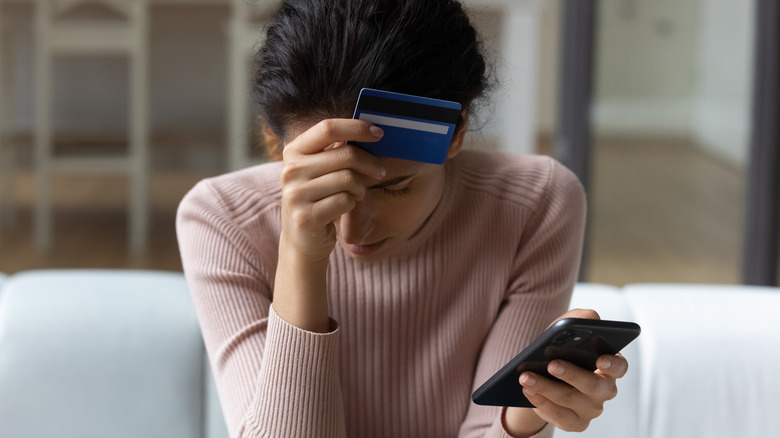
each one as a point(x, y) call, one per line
point(560, 393)
point(596, 387)
point(559, 416)
point(615, 366)
point(329, 131)
point(344, 180)
point(578, 313)
point(326, 210)
point(308, 167)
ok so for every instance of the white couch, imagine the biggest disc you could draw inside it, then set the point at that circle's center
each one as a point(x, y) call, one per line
point(96, 353)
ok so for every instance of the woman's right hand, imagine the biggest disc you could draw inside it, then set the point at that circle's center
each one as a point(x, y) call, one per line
point(322, 179)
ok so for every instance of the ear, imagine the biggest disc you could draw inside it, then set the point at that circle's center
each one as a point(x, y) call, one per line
point(457, 141)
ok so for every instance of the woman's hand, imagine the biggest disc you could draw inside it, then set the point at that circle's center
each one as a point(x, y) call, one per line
point(571, 405)
point(322, 179)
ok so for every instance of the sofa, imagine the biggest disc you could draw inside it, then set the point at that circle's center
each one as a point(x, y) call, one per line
point(118, 353)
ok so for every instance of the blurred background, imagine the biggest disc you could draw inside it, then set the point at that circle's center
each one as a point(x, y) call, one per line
point(101, 138)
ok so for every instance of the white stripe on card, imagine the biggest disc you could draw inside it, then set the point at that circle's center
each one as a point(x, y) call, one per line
point(403, 123)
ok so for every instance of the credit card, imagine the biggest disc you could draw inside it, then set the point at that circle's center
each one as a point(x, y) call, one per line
point(416, 128)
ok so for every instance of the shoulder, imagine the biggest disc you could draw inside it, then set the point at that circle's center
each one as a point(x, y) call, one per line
point(238, 195)
point(525, 180)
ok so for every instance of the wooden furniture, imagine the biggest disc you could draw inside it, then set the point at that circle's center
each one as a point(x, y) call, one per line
point(63, 30)
point(245, 34)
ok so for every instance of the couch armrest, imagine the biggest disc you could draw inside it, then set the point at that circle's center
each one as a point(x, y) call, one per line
point(709, 360)
point(99, 353)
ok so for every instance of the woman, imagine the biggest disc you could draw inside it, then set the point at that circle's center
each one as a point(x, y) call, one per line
point(344, 294)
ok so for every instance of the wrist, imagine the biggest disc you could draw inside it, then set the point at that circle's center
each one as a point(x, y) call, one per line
point(521, 422)
point(300, 291)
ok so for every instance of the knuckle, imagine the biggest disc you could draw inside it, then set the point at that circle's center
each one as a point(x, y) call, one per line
point(344, 201)
point(290, 171)
point(345, 177)
point(292, 193)
point(587, 314)
point(558, 416)
point(568, 398)
point(300, 218)
point(593, 315)
point(286, 154)
point(612, 392)
point(327, 127)
point(348, 154)
point(594, 385)
point(580, 426)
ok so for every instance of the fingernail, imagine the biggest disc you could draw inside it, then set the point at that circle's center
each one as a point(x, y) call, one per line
point(376, 131)
point(528, 391)
point(605, 363)
point(527, 380)
point(556, 368)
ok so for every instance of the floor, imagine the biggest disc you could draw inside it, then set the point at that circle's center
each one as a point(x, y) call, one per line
point(660, 211)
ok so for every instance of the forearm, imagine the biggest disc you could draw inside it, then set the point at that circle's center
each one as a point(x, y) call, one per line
point(300, 291)
point(522, 422)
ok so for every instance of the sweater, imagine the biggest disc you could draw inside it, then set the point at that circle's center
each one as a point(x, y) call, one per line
point(413, 335)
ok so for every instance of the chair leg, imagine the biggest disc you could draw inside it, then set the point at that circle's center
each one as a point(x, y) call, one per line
point(138, 217)
point(43, 149)
point(237, 96)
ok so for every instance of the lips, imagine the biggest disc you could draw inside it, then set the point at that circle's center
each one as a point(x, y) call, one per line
point(364, 250)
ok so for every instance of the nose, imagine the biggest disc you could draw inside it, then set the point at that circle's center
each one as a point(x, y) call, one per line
point(357, 225)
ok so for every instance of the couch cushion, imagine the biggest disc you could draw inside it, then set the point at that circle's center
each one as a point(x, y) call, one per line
point(99, 353)
point(215, 419)
point(620, 415)
point(709, 357)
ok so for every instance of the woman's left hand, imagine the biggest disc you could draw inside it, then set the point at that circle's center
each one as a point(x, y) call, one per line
point(572, 404)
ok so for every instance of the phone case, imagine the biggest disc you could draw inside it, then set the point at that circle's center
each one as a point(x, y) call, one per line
point(576, 340)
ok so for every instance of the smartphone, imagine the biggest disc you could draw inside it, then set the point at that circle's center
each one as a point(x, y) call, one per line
point(576, 340)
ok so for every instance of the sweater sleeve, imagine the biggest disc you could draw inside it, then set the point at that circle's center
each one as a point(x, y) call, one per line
point(539, 290)
point(273, 379)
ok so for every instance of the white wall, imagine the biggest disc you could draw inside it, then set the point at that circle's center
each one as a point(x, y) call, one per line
point(676, 68)
point(645, 67)
point(723, 95)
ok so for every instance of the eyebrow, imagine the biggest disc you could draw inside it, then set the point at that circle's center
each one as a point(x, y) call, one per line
point(391, 182)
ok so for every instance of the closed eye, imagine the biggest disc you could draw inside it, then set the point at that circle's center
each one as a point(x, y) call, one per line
point(394, 192)
point(392, 184)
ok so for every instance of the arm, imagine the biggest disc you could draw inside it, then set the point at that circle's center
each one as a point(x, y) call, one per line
point(321, 180)
point(255, 353)
point(545, 270)
point(571, 405)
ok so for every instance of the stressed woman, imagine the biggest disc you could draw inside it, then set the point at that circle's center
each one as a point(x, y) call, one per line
point(343, 294)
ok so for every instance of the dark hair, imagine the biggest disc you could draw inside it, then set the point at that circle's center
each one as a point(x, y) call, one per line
point(318, 54)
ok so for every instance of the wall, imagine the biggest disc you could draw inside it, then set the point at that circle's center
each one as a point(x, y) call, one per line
point(645, 67)
point(723, 95)
point(676, 68)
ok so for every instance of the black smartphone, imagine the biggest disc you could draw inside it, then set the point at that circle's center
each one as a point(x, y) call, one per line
point(576, 340)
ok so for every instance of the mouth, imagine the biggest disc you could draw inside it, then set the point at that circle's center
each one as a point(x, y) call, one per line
point(364, 250)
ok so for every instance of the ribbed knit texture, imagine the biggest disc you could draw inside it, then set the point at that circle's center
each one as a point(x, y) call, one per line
point(414, 334)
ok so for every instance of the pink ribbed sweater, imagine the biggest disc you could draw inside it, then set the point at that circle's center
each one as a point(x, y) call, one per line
point(414, 334)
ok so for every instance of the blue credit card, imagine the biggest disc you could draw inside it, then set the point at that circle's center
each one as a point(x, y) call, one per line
point(416, 128)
